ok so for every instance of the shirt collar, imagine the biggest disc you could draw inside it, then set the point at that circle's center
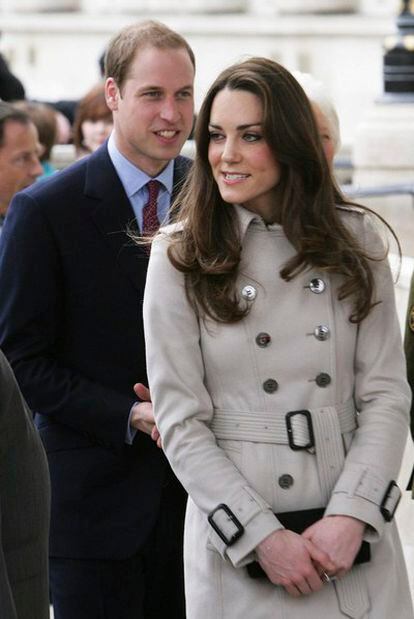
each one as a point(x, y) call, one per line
point(132, 178)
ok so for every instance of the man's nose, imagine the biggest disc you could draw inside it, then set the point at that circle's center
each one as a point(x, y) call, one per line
point(169, 110)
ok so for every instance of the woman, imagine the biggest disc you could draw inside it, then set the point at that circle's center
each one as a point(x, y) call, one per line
point(270, 322)
point(93, 122)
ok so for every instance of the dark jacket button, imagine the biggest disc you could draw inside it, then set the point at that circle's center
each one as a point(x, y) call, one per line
point(270, 385)
point(263, 340)
point(286, 481)
point(321, 332)
point(323, 379)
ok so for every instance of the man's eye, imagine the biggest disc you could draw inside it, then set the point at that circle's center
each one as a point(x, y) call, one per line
point(152, 94)
point(185, 94)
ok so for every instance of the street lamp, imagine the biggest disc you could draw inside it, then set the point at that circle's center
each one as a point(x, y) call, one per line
point(399, 57)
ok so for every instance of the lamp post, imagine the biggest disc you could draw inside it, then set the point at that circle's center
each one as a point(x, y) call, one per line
point(399, 57)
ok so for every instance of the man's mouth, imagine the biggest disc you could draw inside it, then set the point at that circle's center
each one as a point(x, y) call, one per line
point(167, 133)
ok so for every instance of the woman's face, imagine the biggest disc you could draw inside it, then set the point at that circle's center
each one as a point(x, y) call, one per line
point(95, 132)
point(325, 133)
point(242, 163)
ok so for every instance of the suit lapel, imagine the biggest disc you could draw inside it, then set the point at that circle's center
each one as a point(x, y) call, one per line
point(113, 215)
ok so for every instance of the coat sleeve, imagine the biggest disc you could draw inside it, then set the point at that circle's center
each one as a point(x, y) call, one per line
point(32, 298)
point(382, 399)
point(183, 409)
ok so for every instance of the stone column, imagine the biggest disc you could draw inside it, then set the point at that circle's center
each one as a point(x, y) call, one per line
point(384, 141)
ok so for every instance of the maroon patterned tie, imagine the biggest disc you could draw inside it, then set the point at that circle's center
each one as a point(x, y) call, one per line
point(150, 222)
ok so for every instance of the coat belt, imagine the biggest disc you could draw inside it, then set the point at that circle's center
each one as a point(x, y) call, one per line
point(328, 424)
point(270, 427)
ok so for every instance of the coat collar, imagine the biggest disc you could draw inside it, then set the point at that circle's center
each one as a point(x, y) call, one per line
point(247, 218)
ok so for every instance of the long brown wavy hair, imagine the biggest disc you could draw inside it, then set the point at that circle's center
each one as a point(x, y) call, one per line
point(207, 246)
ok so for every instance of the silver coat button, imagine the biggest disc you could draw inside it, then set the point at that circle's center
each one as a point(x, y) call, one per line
point(323, 379)
point(286, 481)
point(321, 332)
point(270, 385)
point(316, 285)
point(249, 293)
point(263, 339)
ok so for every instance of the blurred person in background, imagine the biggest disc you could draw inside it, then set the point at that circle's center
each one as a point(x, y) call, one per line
point(11, 87)
point(19, 154)
point(45, 118)
point(324, 111)
point(24, 507)
point(93, 121)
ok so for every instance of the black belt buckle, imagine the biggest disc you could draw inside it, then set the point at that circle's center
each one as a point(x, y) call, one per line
point(390, 501)
point(229, 538)
point(290, 430)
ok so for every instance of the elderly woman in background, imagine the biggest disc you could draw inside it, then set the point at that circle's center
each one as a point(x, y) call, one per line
point(281, 405)
point(93, 122)
point(324, 111)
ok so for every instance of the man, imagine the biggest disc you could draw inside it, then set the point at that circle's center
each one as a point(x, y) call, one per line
point(19, 154)
point(71, 290)
point(24, 507)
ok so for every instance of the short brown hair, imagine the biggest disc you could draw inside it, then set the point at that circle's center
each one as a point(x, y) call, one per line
point(124, 45)
point(91, 107)
point(9, 113)
point(43, 117)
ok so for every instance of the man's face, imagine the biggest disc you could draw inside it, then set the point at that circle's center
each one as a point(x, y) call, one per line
point(153, 112)
point(19, 160)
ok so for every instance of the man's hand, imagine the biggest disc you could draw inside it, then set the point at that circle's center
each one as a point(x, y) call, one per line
point(340, 537)
point(142, 417)
point(289, 560)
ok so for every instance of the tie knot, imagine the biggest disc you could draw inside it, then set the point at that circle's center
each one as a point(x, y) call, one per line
point(153, 189)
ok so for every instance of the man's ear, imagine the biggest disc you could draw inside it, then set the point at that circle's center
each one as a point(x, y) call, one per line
point(112, 94)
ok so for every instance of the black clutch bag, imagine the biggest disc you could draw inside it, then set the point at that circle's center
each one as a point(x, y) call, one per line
point(298, 522)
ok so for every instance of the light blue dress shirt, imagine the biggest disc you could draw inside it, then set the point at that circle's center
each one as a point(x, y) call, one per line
point(135, 182)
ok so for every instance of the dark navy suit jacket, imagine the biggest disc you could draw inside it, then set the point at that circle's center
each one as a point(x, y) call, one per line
point(71, 291)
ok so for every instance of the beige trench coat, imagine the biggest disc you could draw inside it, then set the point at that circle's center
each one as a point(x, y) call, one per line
point(221, 393)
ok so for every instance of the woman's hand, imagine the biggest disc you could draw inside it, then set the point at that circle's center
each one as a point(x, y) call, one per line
point(340, 537)
point(289, 560)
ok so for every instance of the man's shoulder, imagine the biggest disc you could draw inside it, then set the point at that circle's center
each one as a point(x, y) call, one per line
point(182, 164)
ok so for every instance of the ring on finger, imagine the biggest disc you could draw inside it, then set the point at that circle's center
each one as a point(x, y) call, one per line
point(326, 578)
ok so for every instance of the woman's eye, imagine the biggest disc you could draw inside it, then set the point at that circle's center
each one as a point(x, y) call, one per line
point(252, 137)
point(214, 136)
